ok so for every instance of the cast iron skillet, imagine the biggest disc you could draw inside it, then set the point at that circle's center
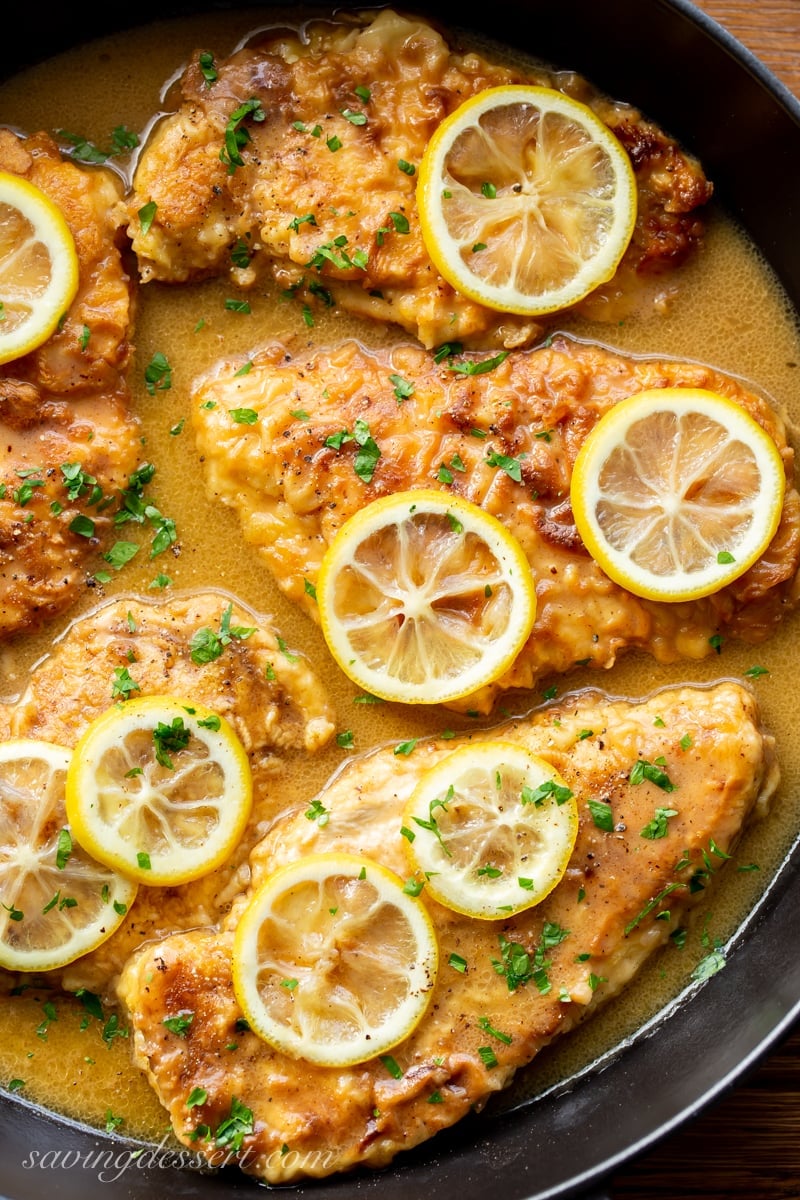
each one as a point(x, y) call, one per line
point(684, 71)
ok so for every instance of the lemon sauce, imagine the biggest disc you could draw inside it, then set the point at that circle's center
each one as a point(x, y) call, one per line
point(730, 313)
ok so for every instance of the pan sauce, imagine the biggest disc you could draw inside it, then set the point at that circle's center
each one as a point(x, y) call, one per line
point(731, 313)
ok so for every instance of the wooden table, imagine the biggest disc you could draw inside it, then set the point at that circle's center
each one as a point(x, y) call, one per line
point(746, 1145)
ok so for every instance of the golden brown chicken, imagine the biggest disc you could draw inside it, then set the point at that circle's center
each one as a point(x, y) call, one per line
point(293, 488)
point(625, 890)
point(134, 647)
point(297, 156)
point(69, 440)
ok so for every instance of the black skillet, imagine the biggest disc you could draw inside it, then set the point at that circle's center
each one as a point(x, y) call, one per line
point(680, 68)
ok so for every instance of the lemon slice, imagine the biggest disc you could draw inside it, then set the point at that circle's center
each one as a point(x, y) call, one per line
point(676, 492)
point(527, 200)
point(333, 961)
point(425, 597)
point(491, 828)
point(57, 902)
point(160, 789)
point(38, 267)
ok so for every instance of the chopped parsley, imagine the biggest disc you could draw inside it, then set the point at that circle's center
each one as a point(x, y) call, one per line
point(391, 1066)
point(481, 367)
point(485, 1025)
point(146, 215)
point(652, 771)
point(403, 390)
point(511, 466)
point(206, 646)
point(123, 684)
point(519, 967)
point(602, 815)
point(123, 140)
point(236, 137)
point(537, 796)
point(243, 416)
point(657, 828)
point(63, 848)
point(708, 966)
point(318, 812)
point(170, 738)
point(158, 374)
point(206, 64)
point(180, 1024)
point(368, 454)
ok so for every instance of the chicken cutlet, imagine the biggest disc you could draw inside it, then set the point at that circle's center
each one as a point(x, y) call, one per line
point(291, 477)
point(275, 163)
point(70, 441)
point(134, 647)
point(622, 895)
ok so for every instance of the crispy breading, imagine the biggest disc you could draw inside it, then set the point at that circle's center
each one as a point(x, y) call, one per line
point(621, 897)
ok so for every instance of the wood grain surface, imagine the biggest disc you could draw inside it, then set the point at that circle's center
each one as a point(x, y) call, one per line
point(747, 1145)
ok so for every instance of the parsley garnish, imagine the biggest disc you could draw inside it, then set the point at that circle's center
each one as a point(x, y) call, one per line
point(122, 140)
point(120, 554)
point(519, 967)
point(366, 459)
point(511, 466)
point(243, 416)
point(391, 1066)
point(236, 138)
point(654, 772)
point(158, 374)
point(481, 367)
point(431, 824)
point(180, 1024)
point(122, 684)
point(112, 1029)
point(174, 736)
point(485, 1025)
point(708, 966)
point(63, 849)
point(240, 254)
point(334, 253)
point(318, 812)
point(602, 815)
point(402, 388)
point(146, 215)
point(657, 828)
point(206, 64)
point(537, 796)
point(405, 748)
point(206, 646)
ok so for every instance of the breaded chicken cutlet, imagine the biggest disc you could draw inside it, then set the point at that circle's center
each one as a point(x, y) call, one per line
point(69, 439)
point(619, 900)
point(293, 490)
point(310, 194)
